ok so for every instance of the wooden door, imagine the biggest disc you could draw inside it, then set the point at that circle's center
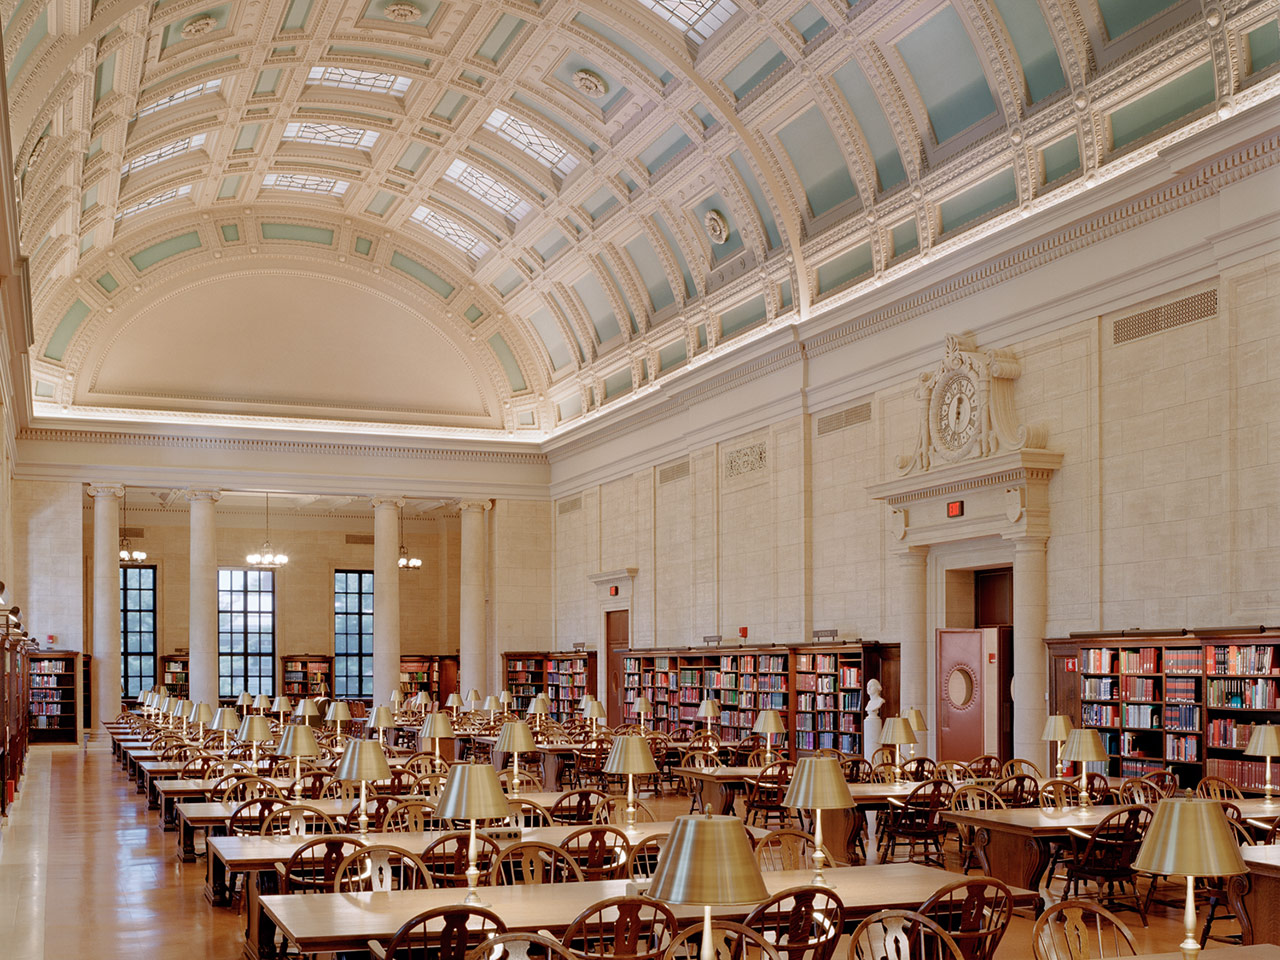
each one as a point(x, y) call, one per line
point(960, 709)
point(617, 639)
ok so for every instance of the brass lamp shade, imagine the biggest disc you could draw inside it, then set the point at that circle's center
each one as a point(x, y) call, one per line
point(200, 713)
point(818, 784)
point(437, 726)
point(166, 705)
point(162, 691)
point(631, 755)
point(1084, 746)
point(707, 862)
point(225, 719)
point(642, 706)
point(306, 708)
point(504, 697)
point(1264, 741)
point(491, 703)
point(539, 706)
point(245, 699)
point(1056, 727)
point(1190, 837)
point(473, 792)
point(397, 697)
point(363, 760)
point(897, 730)
point(182, 709)
point(473, 695)
point(586, 698)
point(769, 721)
point(262, 702)
point(338, 712)
point(916, 718)
point(594, 710)
point(709, 709)
point(515, 737)
point(255, 729)
point(382, 719)
point(454, 701)
point(281, 704)
point(299, 741)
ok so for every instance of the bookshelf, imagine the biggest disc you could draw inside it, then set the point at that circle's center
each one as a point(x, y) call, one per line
point(54, 697)
point(175, 674)
point(306, 675)
point(829, 697)
point(563, 677)
point(436, 675)
point(1242, 680)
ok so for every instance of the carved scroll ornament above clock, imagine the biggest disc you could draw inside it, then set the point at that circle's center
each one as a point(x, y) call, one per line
point(966, 408)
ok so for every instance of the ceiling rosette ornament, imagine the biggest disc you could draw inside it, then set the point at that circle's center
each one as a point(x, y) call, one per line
point(198, 26)
point(590, 83)
point(402, 11)
point(717, 226)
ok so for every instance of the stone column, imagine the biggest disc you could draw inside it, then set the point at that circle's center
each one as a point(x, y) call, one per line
point(386, 598)
point(908, 602)
point(106, 600)
point(202, 624)
point(473, 645)
point(1030, 680)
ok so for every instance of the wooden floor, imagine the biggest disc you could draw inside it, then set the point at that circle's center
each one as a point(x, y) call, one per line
point(85, 872)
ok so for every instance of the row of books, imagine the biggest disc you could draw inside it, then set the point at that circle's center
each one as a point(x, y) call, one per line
point(1228, 733)
point(48, 710)
point(1255, 694)
point(733, 681)
point(1182, 717)
point(1099, 688)
point(1099, 715)
point(1246, 774)
point(828, 721)
point(49, 696)
point(1184, 689)
point(1139, 768)
point(812, 681)
point(1249, 658)
point(752, 701)
point(49, 680)
point(844, 742)
point(821, 662)
point(1139, 688)
point(829, 701)
point(1184, 660)
point(1143, 660)
point(1098, 660)
point(1142, 716)
point(1185, 749)
point(48, 666)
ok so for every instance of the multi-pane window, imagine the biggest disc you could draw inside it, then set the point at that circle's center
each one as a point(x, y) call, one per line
point(352, 634)
point(194, 142)
point(358, 80)
point(305, 182)
point(699, 19)
point(487, 189)
point(200, 89)
point(160, 198)
point(331, 134)
point(246, 631)
point(532, 141)
point(137, 629)
point(449, 229)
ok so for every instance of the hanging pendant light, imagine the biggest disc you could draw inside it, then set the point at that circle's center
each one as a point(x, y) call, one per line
point(267, 559)
point(406, 562)
point(127, 553)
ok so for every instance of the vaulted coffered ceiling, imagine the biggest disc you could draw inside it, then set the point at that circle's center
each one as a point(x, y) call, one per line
point(492, 218)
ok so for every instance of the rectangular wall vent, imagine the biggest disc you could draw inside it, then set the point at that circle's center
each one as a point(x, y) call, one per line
point(844, 418)
point(133, 533)
point(570, 505)
point(1199, 306)
point(673, 471)
point(360, 538)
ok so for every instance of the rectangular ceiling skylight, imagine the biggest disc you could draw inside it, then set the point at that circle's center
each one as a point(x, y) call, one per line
point(359, 80)
point(160, 198)
point(532, 141)
point(305, 183)
point(487, 190)
point(194, 142)
point(331, 135)
point(449, 229)
point(698, 18)
point(199, 90)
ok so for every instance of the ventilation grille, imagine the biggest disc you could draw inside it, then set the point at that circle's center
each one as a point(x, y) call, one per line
point(568, 506)
point(1187, 310)
point(360, 538)
point(673, 471)
point(133, 533)
point(844, 418)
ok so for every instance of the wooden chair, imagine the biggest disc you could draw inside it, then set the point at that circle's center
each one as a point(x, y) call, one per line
point(1135, 790)
point(1059, 794)
point(857, 771)
point(972, 797)
point(766, 792)
point(1065, 932)
point(804, 923)
point(380, 869)
point(954, 770)
point(244, 788)
point(421, 763)
point(198, 767)
point(577, 806)
point(530, 781)
point(975, 911)
point(313, 866)
point(788, 849)
point(701, 760)
point(529, 813)
point(747, 748)
point(1019, 790)
point(337, 789)
point(645, 856)
point(590, 765)
point(1105, 855)
point(600, 851)
point(704, 740)
point(919, 769)
point(729, 941)
point(520, 946)
point(1216, 893)
point(884, 755)
point(622, 928)
point(614, 810)
point(442, 933)
point(986, 767)
point(534, 862)
point(446, 858)
point(412, 816)
point(901, 935)
point(247, 819)
point(296, 820)
point(312, 783)
point(1218, 788)
point(917, 820)
point(1017, 765)
point(430, 785)
point(376, 808)
point(1165, 780)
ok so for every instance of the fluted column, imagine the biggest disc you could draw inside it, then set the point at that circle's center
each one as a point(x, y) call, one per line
point(1030, 681)
point(386, 598)
point(106, 600)
point(202, 624)
point(473, 646)
point(909, 600)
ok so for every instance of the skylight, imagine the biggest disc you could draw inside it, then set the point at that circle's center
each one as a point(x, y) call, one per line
point(698, 18)
point(449, 229)
point(160, 198)
point(331, 135)
point(359, 80)
point(532, 141)
point(199, 90)
point(305, 183)
point(487, 190)
point(194, 142)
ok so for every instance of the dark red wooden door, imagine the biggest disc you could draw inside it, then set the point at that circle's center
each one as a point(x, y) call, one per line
point(960, 707)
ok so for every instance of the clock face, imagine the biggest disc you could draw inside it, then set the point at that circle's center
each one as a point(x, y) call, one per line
point(955, 412)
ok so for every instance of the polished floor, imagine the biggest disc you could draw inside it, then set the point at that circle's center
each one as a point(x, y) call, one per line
point(86, 872)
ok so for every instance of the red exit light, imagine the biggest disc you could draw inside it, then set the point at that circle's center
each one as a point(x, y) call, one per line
point(955, 508)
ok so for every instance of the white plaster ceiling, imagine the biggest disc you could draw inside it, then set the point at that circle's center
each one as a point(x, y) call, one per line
point(506, 220)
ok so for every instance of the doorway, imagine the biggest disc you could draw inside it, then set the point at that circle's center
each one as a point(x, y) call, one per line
point(617, 640)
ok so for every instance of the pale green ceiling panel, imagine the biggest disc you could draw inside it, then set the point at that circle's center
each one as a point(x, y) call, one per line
point(247, 137)
point(422, 273)
point(473, 313)
point(948, 74)
point(808, 22)
point(104, 81)
point(299, 232)
point(267, 82)
point(381, 203)
point(230, 233)
point(229, 187)
point(35, 36)
point(599, 203)
point(979, 200)
point(1162, 106)
point(363, 246)
point(818, 161)
point(549, 333)
point(665, 149)
point(617, 288)
point(748, 73)
point(88, 198)
point(905, 237)
point(645, 259)
point(1264, 46)
point(1121, 16)
point(690, 291)
point(150, 256)
point(66, 329)
point(295, 17)
point(598, 306)
point(44, 389)
point(412, 157)
point(743, 317)
point(508, 361)
point(845, 268)
point(784, 294)
point(875, 128)
point(337, 50)
point(672, 355)
point(108, 283)
point(574, 62)
point(573, 328)
point(550, 243)
point(763, 208)
point(628, 46)
point(618, 383)
point(1060, 158)
point(508, 281)
point(723, 250)
point(705, 116)
point(569, 408)
point(450, 105)
point(1033, 43)
point(500, 38)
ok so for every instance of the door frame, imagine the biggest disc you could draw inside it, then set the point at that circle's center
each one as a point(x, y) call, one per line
point(615, 590)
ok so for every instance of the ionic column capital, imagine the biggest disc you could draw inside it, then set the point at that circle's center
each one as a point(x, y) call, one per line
point(193, 495)
point(475, 505)
point(380, 502)
point(97, 490)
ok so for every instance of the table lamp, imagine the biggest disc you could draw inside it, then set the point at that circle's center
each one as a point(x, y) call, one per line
point(643, 707)
point(897, 731)
point(162, 691)
point(435, 727)
point(595, 713)
point(144, 703)
point(363, 760)
point(708, 863)
point(382, 722)
point(504, 698)
point(182, 710)
point(514, 737)
point(281, 705)
point(244, 701)
point(338, 714)
point(1189, 837)
point(631, 756)
point(473, 793)
point(453, 702)
point(586, 698)
point(1084, 746)
point(262, 703)
point(493, 705)
point(1264, 741)
point(1056, 729)
point(709, 710)
point(166, 708)
point(254, 729)
point(201, 713)
point(768, 722)
point(304, 710)
point(397, 698)
point(225, 719)
point(818, 784)
point(473, 698)
point(539, 707)
point(916, 718)
point(298, 741)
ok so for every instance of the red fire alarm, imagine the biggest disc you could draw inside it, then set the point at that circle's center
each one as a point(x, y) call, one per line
point(742, 632)
point(613, 591)
point(955, 508)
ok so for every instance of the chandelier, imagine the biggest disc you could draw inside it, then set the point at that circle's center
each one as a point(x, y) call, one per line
point(406, 562)
point(267, 558)
point(127, 553)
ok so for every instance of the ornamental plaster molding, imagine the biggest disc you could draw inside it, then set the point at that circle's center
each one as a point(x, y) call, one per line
point(195, 494)
point(103, 490)
point(379, 503)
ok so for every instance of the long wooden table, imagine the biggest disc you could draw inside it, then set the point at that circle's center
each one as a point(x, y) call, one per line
point(1261, 951)
point(1258, 893)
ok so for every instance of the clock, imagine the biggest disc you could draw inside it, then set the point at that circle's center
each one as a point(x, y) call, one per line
point(954, 413)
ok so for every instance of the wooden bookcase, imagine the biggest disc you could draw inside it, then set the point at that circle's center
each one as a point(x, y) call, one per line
point(829, 697)
point(175, 674)
point(54, 694)
point(437, 675)
point(306, 675)
point(14, 719)
point(563, 676)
